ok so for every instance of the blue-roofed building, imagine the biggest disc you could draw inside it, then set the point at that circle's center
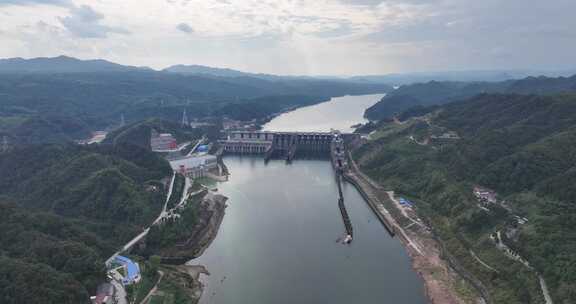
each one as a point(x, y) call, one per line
point(202, 148)
point(132, 270)
point(404, 202)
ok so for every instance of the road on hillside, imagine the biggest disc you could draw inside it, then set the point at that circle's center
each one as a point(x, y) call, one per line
point(117, 279)
point(197, 144)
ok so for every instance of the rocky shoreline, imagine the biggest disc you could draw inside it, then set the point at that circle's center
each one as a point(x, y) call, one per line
point(210, 215)
point(177, 258)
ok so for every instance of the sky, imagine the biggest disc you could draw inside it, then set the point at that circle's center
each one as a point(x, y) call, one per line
point(298, 37)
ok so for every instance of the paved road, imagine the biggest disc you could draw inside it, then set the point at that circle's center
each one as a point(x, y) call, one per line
point(179, 148)
point(170, 189)
point(145, 232)
point(120, 291)
point(187, 185)
point(197, 144)
point(544, 288)
point(153, 290)
point(412, 243)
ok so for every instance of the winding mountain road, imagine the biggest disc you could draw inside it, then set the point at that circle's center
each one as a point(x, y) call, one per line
point(117, 278)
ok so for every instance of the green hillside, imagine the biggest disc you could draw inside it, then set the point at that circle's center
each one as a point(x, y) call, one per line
point(57, 107)
point(521, 146)
point(139, 133)
point(65, 209)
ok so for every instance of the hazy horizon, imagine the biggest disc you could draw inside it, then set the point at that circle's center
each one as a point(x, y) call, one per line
point(519, 70)
point(295, 37)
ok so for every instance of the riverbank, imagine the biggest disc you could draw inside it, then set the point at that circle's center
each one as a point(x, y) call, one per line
point(443, 284)
point(217, 208)
point(196, 227)
point(181, 278)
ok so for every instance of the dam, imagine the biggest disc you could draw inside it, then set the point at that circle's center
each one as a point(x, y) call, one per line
point(278, 242)
point(286, 144)
point(270, 143)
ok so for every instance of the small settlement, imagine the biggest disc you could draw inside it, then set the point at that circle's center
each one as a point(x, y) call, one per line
point(104, 294)
point(122, 270)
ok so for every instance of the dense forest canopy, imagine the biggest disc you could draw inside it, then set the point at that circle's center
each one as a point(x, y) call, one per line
point(54, 105)
point(64, 209)
point(522, 146)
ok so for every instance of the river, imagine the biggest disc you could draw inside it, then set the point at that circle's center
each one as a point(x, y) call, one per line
point(339, 113)
point(278, 241)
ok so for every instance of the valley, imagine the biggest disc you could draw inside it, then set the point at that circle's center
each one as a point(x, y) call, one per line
point(462, 191)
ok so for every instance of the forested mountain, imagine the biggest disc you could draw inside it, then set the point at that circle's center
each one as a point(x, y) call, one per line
point(391, 79)
point(522, 146)
point(64, 209)
point(66, 104)
point(61, 64)
point(202, 70)
point(441, 92)
point(139, 133)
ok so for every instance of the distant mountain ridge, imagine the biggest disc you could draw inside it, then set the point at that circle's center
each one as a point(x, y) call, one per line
point(392, 78)
point(61, 64)
point(207, 71)
point(195, 69)
point(467, 76)
point(442, 92)
point(66, 64)
point(59, 99)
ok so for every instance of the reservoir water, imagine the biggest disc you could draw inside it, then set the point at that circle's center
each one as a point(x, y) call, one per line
point(339, 113)
point(278, 241)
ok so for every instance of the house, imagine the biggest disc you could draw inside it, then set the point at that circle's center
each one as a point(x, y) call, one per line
point(404, 202)
point(132, 270)
point(485, 195)
point(104, 294)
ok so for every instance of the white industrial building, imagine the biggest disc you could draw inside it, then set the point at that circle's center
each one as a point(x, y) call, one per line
point(195, 166)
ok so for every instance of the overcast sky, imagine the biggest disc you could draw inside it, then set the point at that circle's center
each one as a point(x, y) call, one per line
point(312, 37)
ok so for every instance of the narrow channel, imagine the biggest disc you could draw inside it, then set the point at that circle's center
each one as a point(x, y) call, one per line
point(278, 241)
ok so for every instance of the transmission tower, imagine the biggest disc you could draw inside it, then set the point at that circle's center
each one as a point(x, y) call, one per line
point(185, 122)
point(4, 143)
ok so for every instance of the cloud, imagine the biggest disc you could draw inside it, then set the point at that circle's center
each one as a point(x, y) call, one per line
point(33, 2)
point(362, 2)
point(185, 28)
point(85, 22)
point(298, 36)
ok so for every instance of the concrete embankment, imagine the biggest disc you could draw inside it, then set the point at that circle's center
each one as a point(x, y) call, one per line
point(372, 201)
point(342, 207)
point(431, 255)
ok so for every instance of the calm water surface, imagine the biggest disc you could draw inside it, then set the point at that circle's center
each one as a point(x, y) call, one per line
point(277, 243)
point(339, 113)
